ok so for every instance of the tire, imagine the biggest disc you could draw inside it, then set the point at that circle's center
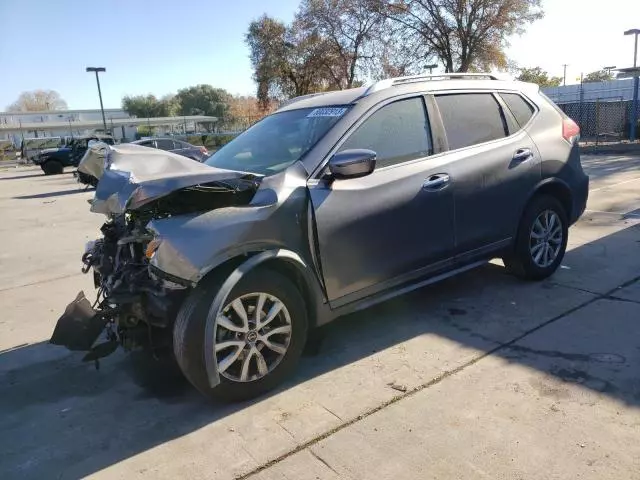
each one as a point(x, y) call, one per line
point(86, 179)
point(189, 333)
point(52, 167)
point(526, 259)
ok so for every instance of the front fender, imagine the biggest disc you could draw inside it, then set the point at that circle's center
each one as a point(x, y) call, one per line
point(221, 297)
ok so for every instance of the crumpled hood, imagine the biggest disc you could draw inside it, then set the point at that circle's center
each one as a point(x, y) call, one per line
point(131, 176)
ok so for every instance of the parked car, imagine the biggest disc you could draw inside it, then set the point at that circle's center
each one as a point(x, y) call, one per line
point(335, 202)
point(176, 146)
point(31, 147)
point(53, 160)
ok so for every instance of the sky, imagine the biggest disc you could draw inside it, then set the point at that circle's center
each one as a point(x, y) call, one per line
point(161, 46)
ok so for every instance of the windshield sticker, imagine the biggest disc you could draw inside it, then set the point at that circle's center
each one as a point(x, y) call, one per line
point(327, 112)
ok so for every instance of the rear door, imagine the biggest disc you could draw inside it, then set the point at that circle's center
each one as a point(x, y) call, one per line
point(377, 231)
point(494, 167)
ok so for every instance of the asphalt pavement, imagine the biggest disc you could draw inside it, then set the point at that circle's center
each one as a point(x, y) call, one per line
point(481, 376)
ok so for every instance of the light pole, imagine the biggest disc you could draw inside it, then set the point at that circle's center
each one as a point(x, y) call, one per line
point(564, 75)
point(608, 70)
point(431, 66)
point(97, 70)
point(634, 105)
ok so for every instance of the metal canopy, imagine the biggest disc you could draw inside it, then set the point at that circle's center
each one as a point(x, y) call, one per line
point(628, 72)
point(116, 122)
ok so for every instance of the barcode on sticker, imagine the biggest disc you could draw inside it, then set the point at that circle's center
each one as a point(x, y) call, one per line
point(327, 112)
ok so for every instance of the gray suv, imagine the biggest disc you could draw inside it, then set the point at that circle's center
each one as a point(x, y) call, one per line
point(333, 203)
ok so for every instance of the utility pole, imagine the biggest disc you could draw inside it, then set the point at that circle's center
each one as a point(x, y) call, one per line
point(608, 69)
point(98, 70)
point(634, 106)
point(564, 75)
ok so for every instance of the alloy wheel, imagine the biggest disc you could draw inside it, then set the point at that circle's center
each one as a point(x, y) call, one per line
point(253, 333)
point(545, 238)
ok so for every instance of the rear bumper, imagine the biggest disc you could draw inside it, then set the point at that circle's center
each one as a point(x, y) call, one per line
point(580, 197)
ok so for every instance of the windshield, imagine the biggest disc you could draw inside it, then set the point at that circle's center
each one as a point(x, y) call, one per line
point(277, 141)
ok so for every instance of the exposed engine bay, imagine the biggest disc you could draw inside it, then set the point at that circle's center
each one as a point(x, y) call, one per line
point(134, 306)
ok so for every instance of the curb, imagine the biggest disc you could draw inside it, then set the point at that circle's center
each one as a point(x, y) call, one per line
point(617, 149)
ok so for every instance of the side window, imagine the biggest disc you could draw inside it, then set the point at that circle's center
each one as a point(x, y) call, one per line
point(471, 118)
point(520, 108)
point(164, 144)
point(398, 132)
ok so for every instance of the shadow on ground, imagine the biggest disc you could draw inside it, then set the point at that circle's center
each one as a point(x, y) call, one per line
point(600, 166)
point(59, 193)
point(58, 412)
point(34, 175)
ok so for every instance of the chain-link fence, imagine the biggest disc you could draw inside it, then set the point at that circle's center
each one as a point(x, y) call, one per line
point(601, 119)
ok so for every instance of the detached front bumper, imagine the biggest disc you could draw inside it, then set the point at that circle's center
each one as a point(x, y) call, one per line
point(79, 326)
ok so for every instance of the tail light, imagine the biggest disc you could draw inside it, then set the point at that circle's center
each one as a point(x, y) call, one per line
point(570, 130)
point(204, 151)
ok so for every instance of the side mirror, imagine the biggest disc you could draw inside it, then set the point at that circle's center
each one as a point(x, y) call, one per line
point(352, 163)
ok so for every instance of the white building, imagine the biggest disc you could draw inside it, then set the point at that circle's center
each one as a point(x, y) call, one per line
point(73, 123)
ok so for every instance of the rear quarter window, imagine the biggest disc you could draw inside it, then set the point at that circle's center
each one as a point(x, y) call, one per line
point(520, 108)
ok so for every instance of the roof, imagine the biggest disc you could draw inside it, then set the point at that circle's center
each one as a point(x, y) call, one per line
point(387, 87)
point(339, 97)
point(116, 122)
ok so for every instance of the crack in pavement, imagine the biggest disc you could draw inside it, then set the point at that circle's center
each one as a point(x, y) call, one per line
point(434, 381)
point(40, 282)
point(324, 462)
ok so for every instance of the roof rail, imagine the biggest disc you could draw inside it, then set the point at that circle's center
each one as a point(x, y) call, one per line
point(389, 82)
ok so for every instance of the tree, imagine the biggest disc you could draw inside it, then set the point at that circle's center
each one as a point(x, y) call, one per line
point(244, 107)
point(288, 60)
point(38, 100)
point(143, 106)
point(463, 35)
point(203, 100)
point(538, 76)
point(598, 76)
point(350, 28)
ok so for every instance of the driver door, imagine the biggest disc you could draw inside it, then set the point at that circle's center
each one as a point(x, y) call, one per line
point(380, 230)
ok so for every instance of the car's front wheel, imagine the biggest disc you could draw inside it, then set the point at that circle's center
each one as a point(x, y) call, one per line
point(259, 335)
point(541, 240)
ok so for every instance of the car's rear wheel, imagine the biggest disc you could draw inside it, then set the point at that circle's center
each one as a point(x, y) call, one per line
point(52, 167)
point(541, 240)
point(259, 335)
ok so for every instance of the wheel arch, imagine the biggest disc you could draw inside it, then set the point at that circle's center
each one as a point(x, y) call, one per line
point(556, 188)
point(233, 269)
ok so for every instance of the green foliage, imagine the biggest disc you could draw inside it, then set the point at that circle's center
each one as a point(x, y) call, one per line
point(538, 76)
point(145, 131)
point(204, 100)
point(145, 106)
point(597, 76)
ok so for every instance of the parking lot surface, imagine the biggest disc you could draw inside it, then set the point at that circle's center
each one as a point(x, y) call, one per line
point(481, 376)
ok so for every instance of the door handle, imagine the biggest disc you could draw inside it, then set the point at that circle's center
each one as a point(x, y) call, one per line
point(436, 182)
point(522, 155)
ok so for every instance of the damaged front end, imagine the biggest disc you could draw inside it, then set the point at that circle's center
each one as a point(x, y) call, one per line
point(133, 306)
